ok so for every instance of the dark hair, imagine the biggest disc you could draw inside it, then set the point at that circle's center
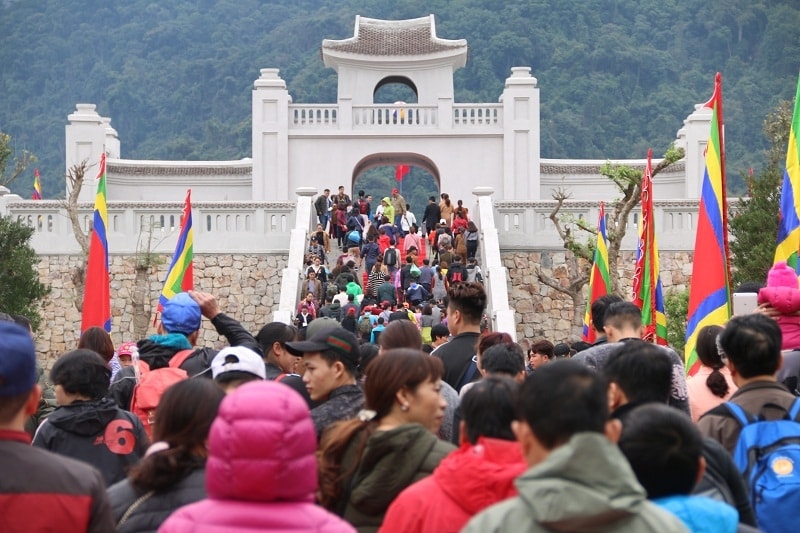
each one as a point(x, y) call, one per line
point(469, 299)
point(183, 420)
point(22, 321)
point(561, 349)
point(599, 308)
point(503, 358)
point(663, 448)
point(367, 352)
point(275, 332)
point(400, 334)
point(642, 370)
point(709, 356)
point(753, 344)
point(580, 346)
point(82, 372)
point(561, 399)
point(427, 309)
point(620, 315)
point(492, 338)
point(748, 286)
point(98, 340)
point(439, 330)
point(487, 408)
point(543, 347)
point(386, 375)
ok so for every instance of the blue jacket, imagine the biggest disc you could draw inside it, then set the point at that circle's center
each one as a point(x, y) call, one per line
point(701, 514)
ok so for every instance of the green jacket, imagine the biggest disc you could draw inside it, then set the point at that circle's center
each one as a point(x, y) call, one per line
point(585, 485)
point(392, 460)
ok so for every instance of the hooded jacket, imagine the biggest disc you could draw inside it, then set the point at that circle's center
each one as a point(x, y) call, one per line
point(157, 351)
point(585, 485)
point(392, 460)
point(701, 514)
point(96, 432)
point(261, 473)
point(465, 483)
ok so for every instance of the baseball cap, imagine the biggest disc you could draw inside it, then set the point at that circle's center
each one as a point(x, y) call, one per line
point(181, 314)
point(339, 341)
point(127, 348)
point(395, 191)
point(323, 323)
point(17, 360)
point(238, 359)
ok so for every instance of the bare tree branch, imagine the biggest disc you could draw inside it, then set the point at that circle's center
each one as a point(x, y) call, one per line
point(75, 176)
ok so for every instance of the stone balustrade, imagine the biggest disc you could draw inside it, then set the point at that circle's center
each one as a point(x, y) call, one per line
point(139, 227)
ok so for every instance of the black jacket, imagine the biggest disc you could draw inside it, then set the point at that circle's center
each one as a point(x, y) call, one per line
point(156, 508)
point(96, 432)
point(432, 215)
point(198, 364)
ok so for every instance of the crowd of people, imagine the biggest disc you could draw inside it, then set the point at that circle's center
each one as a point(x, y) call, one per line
point(398, 411)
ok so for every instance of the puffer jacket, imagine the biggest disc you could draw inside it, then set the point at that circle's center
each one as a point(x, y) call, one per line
point(261, 473)
point(153, 507)
point(786, 300)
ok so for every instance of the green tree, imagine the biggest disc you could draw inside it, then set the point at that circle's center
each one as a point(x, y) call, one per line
point(754, 226)
point(676, 308)
point(20, 288)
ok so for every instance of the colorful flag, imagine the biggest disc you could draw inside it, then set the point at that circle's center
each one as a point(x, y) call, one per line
point(709, 292)
point(647, 292)
point(789, 223)
point(180, 276)
point(96, 310)
point(599, 278)
point(37, 186)
point(400, 171)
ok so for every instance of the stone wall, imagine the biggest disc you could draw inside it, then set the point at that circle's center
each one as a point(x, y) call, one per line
point(246, 286)
point(544, 312)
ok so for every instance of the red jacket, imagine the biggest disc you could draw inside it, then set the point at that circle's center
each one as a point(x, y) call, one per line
point(465, 482)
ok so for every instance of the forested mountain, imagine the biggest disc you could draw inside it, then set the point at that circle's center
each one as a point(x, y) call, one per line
point(616, 76)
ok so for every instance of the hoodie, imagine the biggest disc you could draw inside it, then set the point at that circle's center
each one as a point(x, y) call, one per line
point(585, 485)
point(96, 432)
point(701, 514)
point(466, 482)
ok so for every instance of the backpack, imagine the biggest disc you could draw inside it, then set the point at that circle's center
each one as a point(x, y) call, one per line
point(362, 206)
point(390, 257)
point(474, 274)
point(148, 391)
point(767, 454)
point(364, 325)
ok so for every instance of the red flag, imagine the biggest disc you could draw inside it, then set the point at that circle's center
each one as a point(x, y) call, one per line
point(400, 171)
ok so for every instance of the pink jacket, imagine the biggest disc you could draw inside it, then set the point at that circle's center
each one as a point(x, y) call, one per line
point(261, 473)
point(786, 300)
point(701, 399)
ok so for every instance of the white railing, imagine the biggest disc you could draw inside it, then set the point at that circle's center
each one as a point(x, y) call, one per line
point(313, 116)
point(467, 115)
point(527, 225)
point(394, 116)
point(219, 227)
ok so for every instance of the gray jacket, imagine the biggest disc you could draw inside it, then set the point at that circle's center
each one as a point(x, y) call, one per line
point(585, 485)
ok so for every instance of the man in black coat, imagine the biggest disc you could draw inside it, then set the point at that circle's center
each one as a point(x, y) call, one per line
point(431, 216)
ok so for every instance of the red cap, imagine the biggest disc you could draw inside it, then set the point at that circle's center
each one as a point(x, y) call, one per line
point(394, 191)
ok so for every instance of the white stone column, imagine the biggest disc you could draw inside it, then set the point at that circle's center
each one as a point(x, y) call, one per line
point(495, 278)
point(693, 138)
point(521, 136)
point(293, 273)
point(85, 139)
point(270, 137)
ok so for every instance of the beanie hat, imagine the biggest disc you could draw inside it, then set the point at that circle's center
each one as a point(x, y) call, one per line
point(782, 275)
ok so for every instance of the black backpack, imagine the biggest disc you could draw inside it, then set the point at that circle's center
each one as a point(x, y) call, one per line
point(390, 257)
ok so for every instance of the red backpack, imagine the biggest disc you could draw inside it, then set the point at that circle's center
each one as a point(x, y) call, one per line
point(362, 206)
point(151, 387)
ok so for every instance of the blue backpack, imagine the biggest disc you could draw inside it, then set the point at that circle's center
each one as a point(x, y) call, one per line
point(768, 455)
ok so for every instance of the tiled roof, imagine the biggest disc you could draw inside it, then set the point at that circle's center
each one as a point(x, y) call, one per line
point(147, 170)
point(411, 37)
point(591, 169)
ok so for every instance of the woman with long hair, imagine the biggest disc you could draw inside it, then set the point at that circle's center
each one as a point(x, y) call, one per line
point(366, 462)
point(472, 236)
point(712, 384)
point(172, 474)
